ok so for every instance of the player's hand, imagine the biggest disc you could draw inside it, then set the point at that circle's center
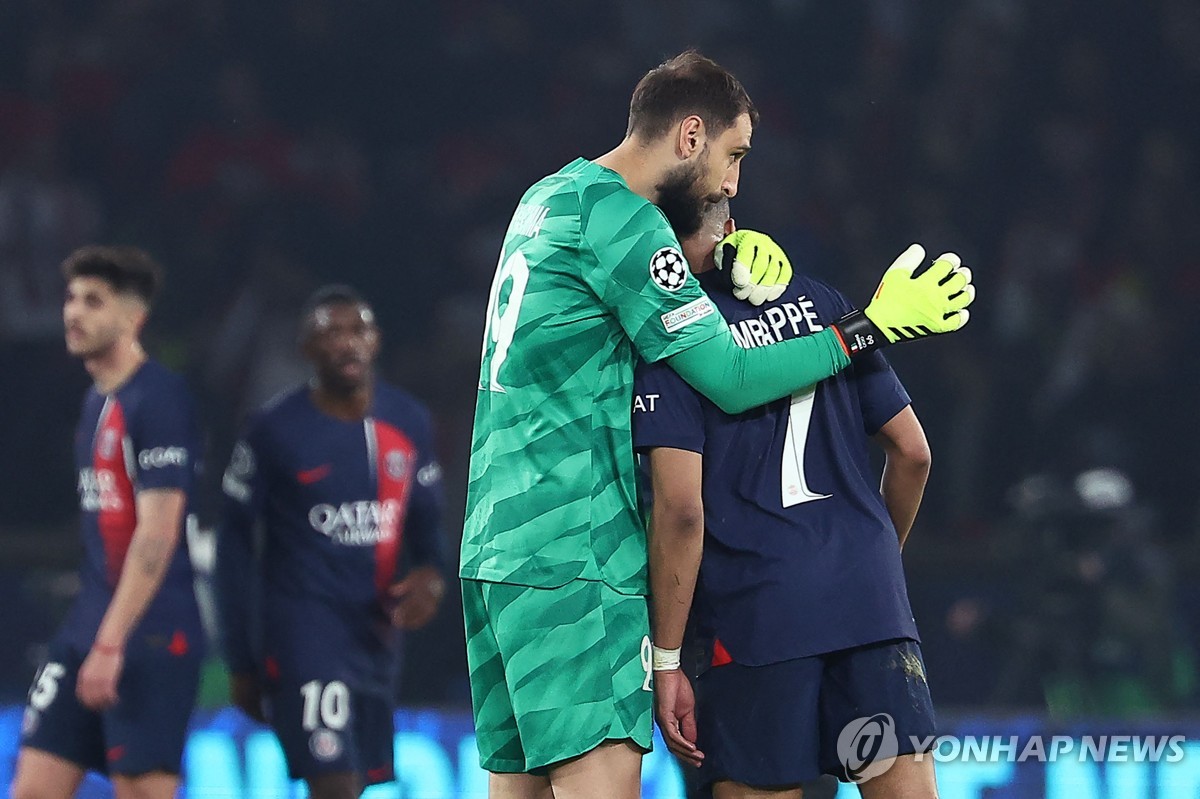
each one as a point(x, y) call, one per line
point(909, 306)
point(96, 687)
point(675, 709)
point(758, 267)
point(418, 596)
point(245, 691)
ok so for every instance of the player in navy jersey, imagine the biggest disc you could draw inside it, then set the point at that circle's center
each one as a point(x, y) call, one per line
point(800, 615)
point(116, 690)
point(340, 478)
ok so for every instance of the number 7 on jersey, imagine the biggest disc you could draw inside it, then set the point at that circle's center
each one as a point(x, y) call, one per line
point(796, 490)
point(501, 322)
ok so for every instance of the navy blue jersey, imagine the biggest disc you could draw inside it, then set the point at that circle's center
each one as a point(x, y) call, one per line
point(142, 436)
point(337, 502)
point(800, 555)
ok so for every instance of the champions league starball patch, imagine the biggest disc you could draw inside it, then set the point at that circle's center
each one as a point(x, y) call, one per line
point(668, 269)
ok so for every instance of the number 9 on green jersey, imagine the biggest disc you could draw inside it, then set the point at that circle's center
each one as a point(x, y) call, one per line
point(590, 278)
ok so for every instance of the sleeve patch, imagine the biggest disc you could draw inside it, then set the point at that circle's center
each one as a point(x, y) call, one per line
point(241, 462)
point(161, 457)
point(429, 474)
point(687, 314)
point(668, 269)
point(237, 478)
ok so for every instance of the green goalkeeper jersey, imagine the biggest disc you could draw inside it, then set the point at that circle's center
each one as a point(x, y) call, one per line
point(590, 278)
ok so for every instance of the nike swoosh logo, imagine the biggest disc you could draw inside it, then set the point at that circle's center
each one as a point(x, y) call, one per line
point(310, 476)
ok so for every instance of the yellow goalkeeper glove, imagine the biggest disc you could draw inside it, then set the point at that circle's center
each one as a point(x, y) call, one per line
point(757, 266)
point(909, 306)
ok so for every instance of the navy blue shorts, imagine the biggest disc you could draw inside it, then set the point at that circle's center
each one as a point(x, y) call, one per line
point(144, 732)
point(778, 725)
point(327, 720)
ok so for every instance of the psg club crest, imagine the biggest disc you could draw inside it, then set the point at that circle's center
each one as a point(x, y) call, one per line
point(29, 722)
point(108, 443)
point(396, 464)
point(325, 745)
point(668, 269)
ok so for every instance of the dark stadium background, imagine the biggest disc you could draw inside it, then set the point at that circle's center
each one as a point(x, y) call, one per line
point(262, 148)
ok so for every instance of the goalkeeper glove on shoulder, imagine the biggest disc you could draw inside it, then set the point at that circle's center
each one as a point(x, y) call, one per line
point(757, 266)
point(908, 306)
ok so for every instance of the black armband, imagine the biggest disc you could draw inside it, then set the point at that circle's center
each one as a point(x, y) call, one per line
point(859, 334)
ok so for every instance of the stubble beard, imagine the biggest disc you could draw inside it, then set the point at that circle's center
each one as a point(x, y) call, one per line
point(95, 346)
point(682, 199)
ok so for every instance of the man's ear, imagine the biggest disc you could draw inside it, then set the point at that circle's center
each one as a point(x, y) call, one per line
point(376, 343)
point(692, 137)
point(136, 313)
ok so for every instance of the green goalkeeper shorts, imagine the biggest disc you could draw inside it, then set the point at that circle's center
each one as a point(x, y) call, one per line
point(555, 672)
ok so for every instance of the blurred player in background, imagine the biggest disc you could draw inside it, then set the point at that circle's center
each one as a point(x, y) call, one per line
point(801, 610)
point(554, 553)
point(120, 678)
point(341, 475)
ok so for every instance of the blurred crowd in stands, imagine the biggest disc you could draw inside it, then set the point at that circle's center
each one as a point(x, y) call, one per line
point(262, 149)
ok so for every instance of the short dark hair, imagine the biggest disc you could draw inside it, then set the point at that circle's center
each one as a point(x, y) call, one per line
point(687, 84)
point(332, 294)
point(128, 270)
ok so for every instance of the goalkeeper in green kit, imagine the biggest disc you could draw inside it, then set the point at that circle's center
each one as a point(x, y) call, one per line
point(591, 278)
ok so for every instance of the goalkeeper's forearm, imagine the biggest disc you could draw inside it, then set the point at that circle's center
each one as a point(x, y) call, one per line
point(737, 380)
